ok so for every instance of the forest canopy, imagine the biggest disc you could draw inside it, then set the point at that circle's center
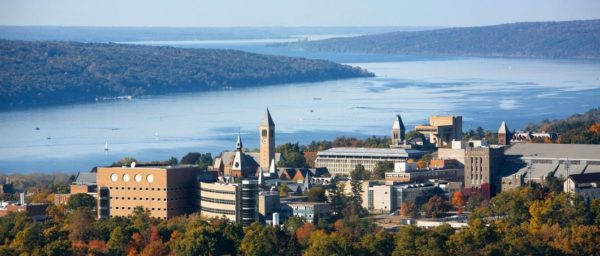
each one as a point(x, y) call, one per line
point(50, 72)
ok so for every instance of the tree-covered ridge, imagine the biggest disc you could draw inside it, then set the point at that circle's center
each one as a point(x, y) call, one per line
point(576, 129)
point(568, 39)
point(37, 73)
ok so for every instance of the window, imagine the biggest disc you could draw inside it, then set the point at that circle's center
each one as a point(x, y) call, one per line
point(264, 132)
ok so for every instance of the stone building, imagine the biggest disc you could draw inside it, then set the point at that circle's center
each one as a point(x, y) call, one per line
point(482, 169)
point(442, 130)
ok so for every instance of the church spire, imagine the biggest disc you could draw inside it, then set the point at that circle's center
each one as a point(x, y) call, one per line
point(238, 144)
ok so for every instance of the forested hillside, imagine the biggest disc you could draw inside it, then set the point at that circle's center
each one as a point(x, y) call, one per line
point(38, 73)
point(568, 39)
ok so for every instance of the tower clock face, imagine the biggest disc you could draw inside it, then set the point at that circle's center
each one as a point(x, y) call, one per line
point(264, 140)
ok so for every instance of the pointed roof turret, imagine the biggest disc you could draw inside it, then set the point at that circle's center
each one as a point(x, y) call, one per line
point(503, 128)
point(272, 168)
point(267, 120)
point(261, 178)
point(238, 144)
point(307, 181)
point(398, 124)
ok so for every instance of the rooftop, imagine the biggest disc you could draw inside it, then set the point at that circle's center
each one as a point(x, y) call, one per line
point(554, 151)
point(371, 152)
point(586, 178)
point(86, 178)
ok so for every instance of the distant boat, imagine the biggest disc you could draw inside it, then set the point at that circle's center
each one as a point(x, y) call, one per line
point(316, 98)
point(48, 138)
point(106, 146)
point(37, 128)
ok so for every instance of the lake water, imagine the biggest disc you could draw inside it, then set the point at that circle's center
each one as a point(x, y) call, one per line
point(485, 91)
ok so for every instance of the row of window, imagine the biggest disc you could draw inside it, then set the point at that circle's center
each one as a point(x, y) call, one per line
point(149, 208)
point(217, 211)
point(153, 189)
point(148, 199)
point(218, 191)
point(219, 201)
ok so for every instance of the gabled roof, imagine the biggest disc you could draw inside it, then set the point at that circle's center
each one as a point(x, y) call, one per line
point(503, 128)
point(267, 120)
point(398, 124)
point(586, 177)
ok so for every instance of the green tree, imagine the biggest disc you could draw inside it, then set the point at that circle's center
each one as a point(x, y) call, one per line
point(291, 156)
point(358, 175)
point(381, 168)
point(293, 223)
point(57, 247)
point(81, 200)
point(436, 207)
point(316, 194)
point(117, 242)
point(260, 240)
point(332, 244)
point(337, 198)
point(28, 240)
point(380, 244)
point(125, 161)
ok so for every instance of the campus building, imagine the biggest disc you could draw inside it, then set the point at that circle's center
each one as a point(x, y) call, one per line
point(165, 191)
point(533, 162)
point(237, 202)
point(229, 163)
point(442, 130)
point(482, 169)
point(342, 161)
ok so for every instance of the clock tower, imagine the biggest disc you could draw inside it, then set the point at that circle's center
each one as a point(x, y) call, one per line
point(267, 141)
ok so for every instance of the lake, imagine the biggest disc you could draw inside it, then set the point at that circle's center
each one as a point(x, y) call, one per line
point(485, 91)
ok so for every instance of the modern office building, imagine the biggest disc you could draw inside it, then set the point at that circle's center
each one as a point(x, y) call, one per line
point(342, 161)
point(310, 211)
point(237, 202)
point(165, 191)
point(482, 169)
point(386, 198)
point(442, 130)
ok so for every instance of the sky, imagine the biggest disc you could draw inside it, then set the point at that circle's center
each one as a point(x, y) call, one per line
point(251, 13)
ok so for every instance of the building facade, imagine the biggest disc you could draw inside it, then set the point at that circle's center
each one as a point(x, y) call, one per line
point(342, 161)
point(237, 202)
point(164, 191)
point(310, 211)
point(482, 168)
point(442, 130)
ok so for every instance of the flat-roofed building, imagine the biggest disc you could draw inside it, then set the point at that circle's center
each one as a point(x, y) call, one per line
point(85, 183)
point(165, 191)
point(220, 199)
point(36, 211)
point(237, 202)
point(310, 211)
point(442, 130)
point(482, 169)
point(535, 161)
point(342, 161)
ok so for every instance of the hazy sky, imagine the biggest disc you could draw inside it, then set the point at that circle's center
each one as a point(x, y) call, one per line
point(291, 12)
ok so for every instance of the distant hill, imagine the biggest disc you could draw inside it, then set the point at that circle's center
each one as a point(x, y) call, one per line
point(40, 73)
point(568, 39)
